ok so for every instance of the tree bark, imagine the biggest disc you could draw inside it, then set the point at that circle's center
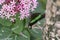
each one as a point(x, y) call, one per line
point(51, 30)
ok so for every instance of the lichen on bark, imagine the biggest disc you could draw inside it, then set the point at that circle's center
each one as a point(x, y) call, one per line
point(52, 25)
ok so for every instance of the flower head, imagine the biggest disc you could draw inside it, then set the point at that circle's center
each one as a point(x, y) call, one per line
point(11, 7)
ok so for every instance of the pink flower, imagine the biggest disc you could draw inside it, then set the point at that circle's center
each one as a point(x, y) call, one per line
point(11, 7)
point(2, 1)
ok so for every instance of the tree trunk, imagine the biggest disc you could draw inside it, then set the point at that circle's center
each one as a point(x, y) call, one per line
point(51, 30)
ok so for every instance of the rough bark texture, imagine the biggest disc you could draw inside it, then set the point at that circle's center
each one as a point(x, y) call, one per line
point(52, 28)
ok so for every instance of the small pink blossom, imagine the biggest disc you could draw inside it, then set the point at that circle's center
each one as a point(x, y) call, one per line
point(2, 1)
point(11, 7)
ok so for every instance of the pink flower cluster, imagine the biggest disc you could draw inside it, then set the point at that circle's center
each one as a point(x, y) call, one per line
point(11, 7)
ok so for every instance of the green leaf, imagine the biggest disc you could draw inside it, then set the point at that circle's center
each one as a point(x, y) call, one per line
point(35, 19)
point(4, 33)
point(5, 22)
point(7, 34)
point(25, 35)
point(36, 34)
point(41, 22)
point(18, 26)
point(22, 36)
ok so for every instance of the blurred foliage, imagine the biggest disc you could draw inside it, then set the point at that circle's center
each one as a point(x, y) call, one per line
point(19, 29)
point(5, 22)
point(41, 6)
